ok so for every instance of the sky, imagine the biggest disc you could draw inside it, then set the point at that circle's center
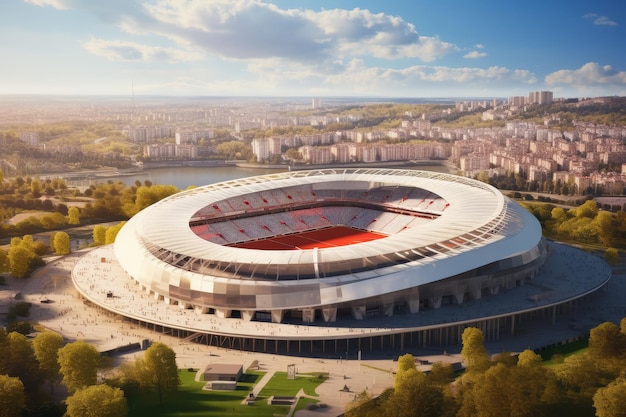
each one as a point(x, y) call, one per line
point(313, 48)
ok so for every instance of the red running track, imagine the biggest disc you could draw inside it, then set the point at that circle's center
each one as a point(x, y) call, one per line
point(322, 238)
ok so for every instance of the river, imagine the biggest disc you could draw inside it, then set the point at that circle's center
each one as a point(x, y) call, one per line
point(183, 177)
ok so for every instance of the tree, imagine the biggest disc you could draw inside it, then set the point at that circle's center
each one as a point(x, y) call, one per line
point(160, 370)
point(405, 363)
point(4, 351)
point(509, 390)
point(73, 215)
point(362, 405)
point(35, 188)
point(22, 362)
point(46, 346)
point(97, 401)
point(12, 397)
point(473, 351)
point(61, 243)
point(112, 232)
point(610, 401)
point(606, 342)
point(4, 260)
point(20, 260)
point(413, 395)
point(147, 196)
point(78, 363)
point(441, 374)
point(612, 256)
point(528, 358)
point(99, 235)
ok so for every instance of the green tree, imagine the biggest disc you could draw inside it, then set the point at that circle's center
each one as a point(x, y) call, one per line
point(160, 370)
point(441, 374)
point(413, 395)
point(22, 362)
point(473, 351)
point(35, 188)
point(20, 261)
point(112, 232)
point(612, 256)
point(46, 346)
point(97, 401)
point(610, 401)
point(588, 209)
point(506, 391)
point(73, 215)
point(4, 260)
point(607, 345)
point(78, 363)
point(99, 235)
point(147, 196)
point(528, 358)
point(4, 351)
point(604, 222)
point(362, 406)
point(406, 363)
point(61, 243)
point(12, 397)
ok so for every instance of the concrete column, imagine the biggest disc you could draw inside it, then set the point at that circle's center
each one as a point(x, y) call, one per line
point(358, 312)
point(247, 315)
point(388, 309)
point(435, 302)
point(308, 315)
point(223, 313)
point(277, 316)
point(458, 296)
point(330, 314)
point(201, 310)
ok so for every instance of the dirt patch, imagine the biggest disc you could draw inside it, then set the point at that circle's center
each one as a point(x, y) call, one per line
point(23, 216)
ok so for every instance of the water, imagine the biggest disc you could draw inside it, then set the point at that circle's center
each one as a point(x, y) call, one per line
point(183, 177)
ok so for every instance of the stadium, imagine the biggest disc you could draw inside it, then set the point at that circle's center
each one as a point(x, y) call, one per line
point(333, 247)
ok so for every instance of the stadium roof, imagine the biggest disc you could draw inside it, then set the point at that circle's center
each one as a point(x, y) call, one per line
point(477, 216)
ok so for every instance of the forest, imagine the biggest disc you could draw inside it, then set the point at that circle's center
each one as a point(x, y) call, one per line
point(589, 382)
point(30, 369)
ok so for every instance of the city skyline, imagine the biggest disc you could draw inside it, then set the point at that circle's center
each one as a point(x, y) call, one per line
point(313, 48)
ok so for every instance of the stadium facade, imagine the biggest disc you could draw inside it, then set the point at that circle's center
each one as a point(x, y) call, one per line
point(234, 249)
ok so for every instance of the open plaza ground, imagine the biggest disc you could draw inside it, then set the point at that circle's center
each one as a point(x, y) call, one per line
point(65, 311)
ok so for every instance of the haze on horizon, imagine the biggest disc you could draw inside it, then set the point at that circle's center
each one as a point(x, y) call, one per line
point(313, 48)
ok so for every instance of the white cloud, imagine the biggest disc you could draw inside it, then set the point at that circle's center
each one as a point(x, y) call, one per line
point(589, 78)
point(245, 29)
point(356, 77)
point(359, 32)
point(57, 4)
point(130, 51)
point(475, 55)
point(600, 20)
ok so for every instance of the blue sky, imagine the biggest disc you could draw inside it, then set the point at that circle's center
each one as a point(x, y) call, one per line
point(393, 48)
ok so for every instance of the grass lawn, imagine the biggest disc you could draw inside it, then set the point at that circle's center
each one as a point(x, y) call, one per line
point(556, 355)
point(190, 400)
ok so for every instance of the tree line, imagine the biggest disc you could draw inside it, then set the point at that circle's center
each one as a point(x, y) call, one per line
point(588, 383)
point(585, 224)
point(27, 366)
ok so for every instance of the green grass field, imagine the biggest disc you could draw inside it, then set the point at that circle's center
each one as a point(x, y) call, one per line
point(190, 400)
